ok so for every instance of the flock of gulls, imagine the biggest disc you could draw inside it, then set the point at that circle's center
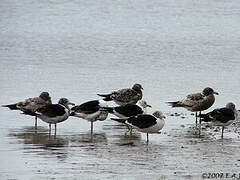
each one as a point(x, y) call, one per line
point(130, 110)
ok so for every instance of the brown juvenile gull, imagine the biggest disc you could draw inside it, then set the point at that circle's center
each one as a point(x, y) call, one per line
point(197, 102)
point(222, 116)
point(125, 96)
point(30, 105)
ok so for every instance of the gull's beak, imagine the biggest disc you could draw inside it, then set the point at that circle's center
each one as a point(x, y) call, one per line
point(215, 93)
point(148, 105)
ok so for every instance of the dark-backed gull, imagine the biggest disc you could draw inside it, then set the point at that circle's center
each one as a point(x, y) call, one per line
point(54, 113)
point(91, 111)
point(125, 96)
point(128, 110)
point(30, 105)
point(222, 116)
point(146, 123)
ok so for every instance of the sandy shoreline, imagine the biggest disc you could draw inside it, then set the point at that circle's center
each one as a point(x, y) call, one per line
point(176, 153)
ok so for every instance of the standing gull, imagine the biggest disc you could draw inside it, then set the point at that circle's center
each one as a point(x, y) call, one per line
point(222, 116)
point(91, 111)
point(197, 102)
point(146, 123)
point(54, 113)
point(30, 105)
point(125, 96)
point(128, 110)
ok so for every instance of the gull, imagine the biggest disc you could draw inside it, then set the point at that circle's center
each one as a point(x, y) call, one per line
point(125, 96)
point(30, 105)
point(197, 102)
point(222, 116)
point(91, 111)
point(146, 123)
point(54, 113)
point(128, 110)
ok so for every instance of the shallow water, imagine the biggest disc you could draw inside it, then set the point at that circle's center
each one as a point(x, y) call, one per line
point(76, 49)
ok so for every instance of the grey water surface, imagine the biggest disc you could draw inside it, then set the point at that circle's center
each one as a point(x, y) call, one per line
point(76, 49)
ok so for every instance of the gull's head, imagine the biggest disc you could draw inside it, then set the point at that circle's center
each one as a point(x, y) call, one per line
point(230, 105)
point(144, 104)
point(159, 114)
point(65, 102)
point(45, 96)
point(137, 87)
point(208, 91)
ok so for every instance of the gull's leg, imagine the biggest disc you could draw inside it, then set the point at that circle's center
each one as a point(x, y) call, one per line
point(91, 127)
point(147, 139)
point(55, 132)
point(131, 131)
point(91, 130)
point(200, 124)
point(196, 118)
point(49, 128)
point(35, 122)
point(200, 120)
point(222, 131)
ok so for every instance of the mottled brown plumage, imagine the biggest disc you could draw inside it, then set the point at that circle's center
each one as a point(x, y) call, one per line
point(125, 96)
point(30, 105)
point(198, 101)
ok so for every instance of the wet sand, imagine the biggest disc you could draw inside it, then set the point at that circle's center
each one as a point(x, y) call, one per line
point(177, 153)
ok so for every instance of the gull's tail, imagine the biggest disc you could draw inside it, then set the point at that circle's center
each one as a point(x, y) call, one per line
point(11, 106)
point(122, 120)
point(107, 97)
point(108, 109)
point(205, 117)
point(174, 104)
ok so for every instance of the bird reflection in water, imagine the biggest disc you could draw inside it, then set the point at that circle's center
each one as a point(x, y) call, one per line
point(36, 141)
point(119, 136)
point(87, 138)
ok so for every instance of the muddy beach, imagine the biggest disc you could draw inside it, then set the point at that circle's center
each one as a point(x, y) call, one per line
point(177, 153)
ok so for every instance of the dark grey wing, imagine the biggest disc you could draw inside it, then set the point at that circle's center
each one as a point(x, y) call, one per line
point(142, 121)
point(51, 110)
point(87, 107)
point(223, 115)
point(129, 110)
